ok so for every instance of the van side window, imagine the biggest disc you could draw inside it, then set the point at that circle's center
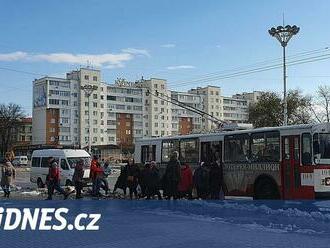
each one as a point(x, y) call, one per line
point(35, 162)
point(64, 165)
point(44, 162)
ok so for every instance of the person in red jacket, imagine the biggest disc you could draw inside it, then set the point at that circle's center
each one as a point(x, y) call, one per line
point(186, 182)
point(53, 179)
point(98, 173)
point(93, 173)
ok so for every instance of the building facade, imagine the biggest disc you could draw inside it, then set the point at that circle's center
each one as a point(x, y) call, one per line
point(65, 113)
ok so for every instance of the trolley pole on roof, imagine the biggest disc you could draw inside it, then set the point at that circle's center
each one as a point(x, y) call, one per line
point(283, 35)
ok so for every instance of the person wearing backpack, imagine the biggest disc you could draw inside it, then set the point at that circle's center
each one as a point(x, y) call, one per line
point(201, 181)
point(8, 173)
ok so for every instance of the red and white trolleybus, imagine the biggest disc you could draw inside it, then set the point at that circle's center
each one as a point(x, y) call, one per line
point(291, 162)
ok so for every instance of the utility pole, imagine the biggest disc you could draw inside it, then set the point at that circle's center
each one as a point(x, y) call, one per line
point(283, 35)
point(89, 89)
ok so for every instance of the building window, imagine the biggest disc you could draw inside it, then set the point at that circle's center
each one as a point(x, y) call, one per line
point(54, 101)
point(86, 77)
point(94, 78)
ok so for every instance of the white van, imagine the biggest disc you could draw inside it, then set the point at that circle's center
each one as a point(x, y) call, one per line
point(66, 159)
point(20, 161)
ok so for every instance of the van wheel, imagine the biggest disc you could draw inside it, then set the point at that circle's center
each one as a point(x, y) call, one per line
point(68, 183)
point(40, 183)
point(266, 189)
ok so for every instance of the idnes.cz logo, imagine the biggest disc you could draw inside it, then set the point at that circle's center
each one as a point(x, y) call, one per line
point(46, 219)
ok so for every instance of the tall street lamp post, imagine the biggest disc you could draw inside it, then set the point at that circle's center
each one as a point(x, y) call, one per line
point(283, 35)
point(89, 89)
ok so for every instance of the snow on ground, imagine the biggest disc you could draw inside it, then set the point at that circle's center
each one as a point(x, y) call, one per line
point(189, 224)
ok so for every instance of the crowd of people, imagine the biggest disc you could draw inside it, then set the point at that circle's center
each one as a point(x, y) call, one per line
point(178, 181)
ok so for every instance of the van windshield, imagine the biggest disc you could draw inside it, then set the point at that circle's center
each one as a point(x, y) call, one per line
point(74, 160)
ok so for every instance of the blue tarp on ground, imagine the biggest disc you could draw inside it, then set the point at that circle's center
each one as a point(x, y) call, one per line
point(183, 224)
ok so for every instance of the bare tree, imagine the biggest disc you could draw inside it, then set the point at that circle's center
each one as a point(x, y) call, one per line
point(10, 117)
point(321, 104)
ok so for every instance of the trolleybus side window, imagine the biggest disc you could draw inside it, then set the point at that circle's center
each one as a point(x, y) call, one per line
point(258, 146)
point(306, 149)
point(324, 144)
point(265, 147)
point(168, 147)
point(189, 150)
point(148, 153)
point(286, 149)
point(208, 151)
point(237, 148)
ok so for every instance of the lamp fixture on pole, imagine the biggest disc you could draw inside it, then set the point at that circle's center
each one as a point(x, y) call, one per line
point(283, 35)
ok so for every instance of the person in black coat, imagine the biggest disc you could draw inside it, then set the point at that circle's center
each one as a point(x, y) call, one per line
point(172, 176)
point(143, 179)
point(201, 181)
point(121, 182)
point(216, 180)
point(152, 181)
point(133, 174)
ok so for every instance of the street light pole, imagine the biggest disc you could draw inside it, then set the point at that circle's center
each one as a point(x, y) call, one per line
point(283, 35)
point(285, 112)
point(89, 89)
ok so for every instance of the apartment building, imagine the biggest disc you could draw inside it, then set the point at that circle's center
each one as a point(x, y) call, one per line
point(67, 115)
point(157, 105)
point(212, 104)
point(251, 97)
point(22, 137)
point(235, 110)
point(185, 121)
point(123, 119)
point(55, 111)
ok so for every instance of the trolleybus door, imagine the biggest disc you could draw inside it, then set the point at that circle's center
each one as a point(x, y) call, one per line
point(290, 166)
